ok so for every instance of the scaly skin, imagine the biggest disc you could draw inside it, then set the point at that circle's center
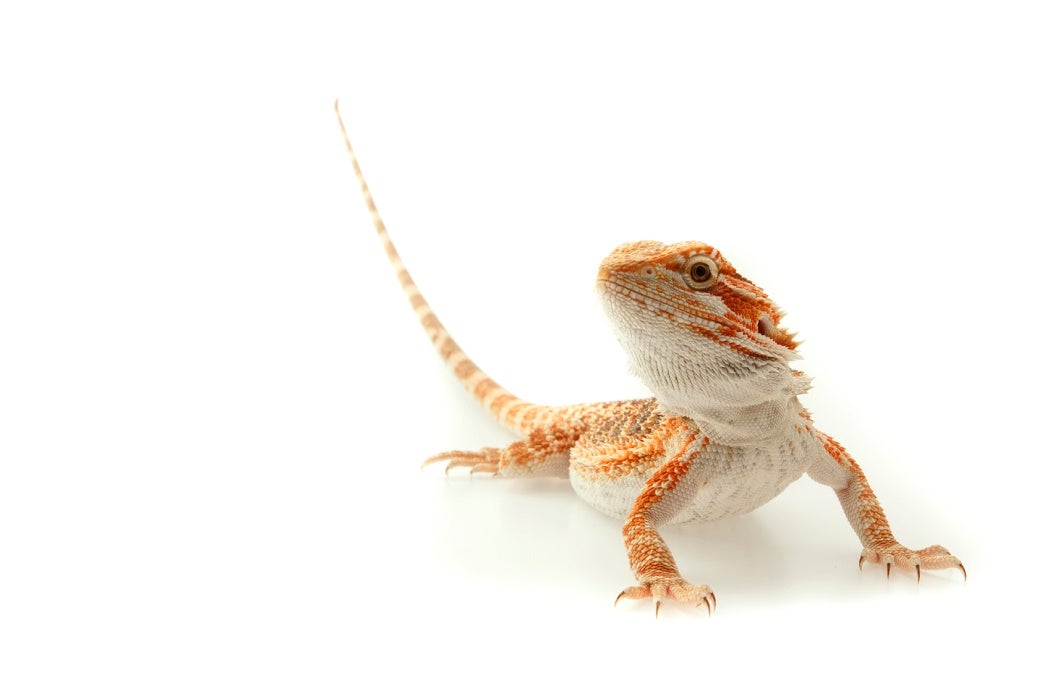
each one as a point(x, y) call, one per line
point(724, 433)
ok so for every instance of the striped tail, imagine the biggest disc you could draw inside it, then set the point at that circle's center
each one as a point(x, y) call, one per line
point(511, 412)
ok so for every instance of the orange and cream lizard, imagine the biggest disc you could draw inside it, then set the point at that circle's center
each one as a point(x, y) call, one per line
point(724, 433)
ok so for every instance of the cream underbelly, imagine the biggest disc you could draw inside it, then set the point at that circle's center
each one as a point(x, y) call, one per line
point(734, 480)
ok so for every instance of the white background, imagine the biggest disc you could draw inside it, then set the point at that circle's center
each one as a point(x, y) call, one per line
point(214, 401)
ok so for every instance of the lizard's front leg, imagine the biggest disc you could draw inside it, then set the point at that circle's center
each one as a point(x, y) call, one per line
point(671, 487)
point(836, 468)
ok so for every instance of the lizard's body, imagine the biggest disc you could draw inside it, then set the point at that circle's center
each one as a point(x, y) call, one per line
point(737, 479)
point(724, 434)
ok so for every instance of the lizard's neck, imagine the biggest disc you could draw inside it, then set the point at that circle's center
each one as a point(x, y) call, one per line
point(742, 425)
point(735, 401)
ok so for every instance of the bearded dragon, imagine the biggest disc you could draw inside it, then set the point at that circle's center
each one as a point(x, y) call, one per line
point(723, 433)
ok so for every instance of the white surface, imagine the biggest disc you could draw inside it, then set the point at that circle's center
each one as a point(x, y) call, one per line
point(213, 398)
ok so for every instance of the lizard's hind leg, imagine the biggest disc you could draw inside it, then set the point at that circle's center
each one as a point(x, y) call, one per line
point(544, 452)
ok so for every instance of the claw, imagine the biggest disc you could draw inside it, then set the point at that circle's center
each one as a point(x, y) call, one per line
point(931, 558)
point(483, 461)
point(434, 459)
point(714, 602)
point(674, 589)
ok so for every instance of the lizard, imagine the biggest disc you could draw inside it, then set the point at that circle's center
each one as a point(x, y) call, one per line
point(723, 433)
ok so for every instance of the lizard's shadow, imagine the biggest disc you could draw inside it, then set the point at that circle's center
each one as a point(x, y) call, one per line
point(795, 550)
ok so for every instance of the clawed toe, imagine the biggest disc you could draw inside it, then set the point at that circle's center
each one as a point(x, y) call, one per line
point(930, 558)
point(483, 461)
point(678, 590)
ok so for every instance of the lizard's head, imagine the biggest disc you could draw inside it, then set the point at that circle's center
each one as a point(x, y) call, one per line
point(697, 332)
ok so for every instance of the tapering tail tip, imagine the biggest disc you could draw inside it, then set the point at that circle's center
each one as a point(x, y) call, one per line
point(339, 115)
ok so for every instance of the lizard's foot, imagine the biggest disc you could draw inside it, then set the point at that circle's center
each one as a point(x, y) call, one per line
point(931, 558)
point(483, 461)
point(545, 452)
point(672, 588)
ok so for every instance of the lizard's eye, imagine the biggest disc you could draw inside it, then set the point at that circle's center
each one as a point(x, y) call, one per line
point(701, 272)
